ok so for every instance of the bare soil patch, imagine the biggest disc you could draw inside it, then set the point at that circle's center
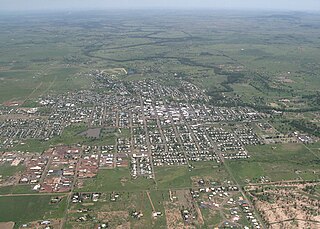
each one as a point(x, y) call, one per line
point(116, 219)
point(7, 225)
point(173, 216)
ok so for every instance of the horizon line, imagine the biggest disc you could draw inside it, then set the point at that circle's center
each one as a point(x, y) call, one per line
point(186, 9)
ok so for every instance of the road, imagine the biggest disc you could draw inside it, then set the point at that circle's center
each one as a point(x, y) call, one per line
point(147, 139)
point(63, 221)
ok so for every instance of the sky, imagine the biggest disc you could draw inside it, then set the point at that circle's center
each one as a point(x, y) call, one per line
point(27, 5)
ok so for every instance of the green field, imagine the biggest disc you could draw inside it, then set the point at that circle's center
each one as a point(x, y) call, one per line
point(116, 180)
point(24, 209)
point(180, 177)
point(16, 189)
point(6, 170)
point(277, 162)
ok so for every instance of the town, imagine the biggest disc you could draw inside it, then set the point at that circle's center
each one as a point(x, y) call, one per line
point(138, 126)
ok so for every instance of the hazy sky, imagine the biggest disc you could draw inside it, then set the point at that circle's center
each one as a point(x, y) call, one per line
point(302, 5)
